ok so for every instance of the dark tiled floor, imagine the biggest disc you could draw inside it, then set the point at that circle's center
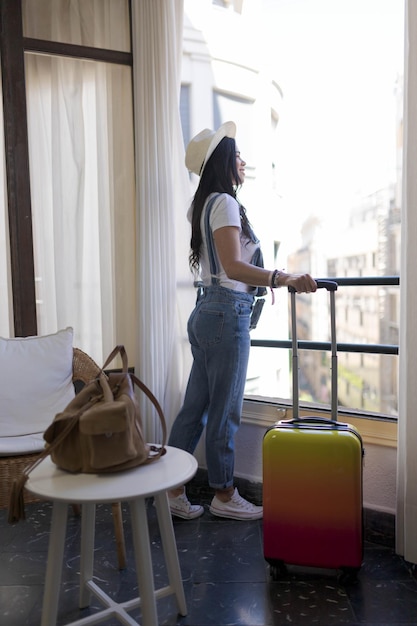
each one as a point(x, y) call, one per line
point(226, 579)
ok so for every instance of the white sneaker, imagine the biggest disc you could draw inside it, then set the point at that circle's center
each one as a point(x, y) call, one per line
point(182, 507)
point(236, 508)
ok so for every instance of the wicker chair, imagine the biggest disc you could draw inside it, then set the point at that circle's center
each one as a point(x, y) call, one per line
point(84, 369)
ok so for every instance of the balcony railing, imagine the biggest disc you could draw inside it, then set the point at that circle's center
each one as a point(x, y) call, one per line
point(369, 348)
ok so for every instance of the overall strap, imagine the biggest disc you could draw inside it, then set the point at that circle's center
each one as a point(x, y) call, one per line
point(210, 243)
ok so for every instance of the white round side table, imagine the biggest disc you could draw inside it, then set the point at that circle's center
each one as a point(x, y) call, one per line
point(172, 470)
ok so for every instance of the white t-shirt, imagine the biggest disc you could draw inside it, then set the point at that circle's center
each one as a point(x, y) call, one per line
point(224, 212)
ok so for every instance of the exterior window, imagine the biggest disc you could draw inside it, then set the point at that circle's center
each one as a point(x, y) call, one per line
point(185, 113)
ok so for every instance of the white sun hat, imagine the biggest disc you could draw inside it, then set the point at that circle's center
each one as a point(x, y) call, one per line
point(202, 146)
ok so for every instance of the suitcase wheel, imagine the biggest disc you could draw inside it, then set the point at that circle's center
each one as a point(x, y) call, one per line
point(278, 570)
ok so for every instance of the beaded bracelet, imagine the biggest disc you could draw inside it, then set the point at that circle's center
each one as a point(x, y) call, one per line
point(275, 273)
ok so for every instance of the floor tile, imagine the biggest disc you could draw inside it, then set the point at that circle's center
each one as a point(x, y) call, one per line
point(226, 579)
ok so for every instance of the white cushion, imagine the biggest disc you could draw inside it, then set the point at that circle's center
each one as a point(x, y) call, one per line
point(24, 444)
point(35, 384)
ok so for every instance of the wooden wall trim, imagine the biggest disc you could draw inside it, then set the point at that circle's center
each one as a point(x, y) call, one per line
point(17, 168)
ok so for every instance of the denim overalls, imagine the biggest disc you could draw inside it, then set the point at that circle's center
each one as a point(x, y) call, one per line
point(218, 331)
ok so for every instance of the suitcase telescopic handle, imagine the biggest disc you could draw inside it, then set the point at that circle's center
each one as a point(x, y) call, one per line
point(330, 285)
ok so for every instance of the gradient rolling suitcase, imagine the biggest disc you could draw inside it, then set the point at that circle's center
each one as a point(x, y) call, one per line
point(312, 482)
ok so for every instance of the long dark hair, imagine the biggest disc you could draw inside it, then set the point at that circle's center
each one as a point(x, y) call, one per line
point(220, 175)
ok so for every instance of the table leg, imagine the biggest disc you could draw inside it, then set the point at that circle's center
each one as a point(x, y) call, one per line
point(88, 519)
point(170, 550)
point(116, 509)
point(144, 569)
point(54, 564)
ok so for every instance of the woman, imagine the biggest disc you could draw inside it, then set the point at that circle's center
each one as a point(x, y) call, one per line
point(222, 248)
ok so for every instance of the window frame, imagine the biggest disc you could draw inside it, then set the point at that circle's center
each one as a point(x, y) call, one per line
point(13, 46)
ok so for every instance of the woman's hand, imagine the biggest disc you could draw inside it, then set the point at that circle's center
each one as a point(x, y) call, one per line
point(302, 283)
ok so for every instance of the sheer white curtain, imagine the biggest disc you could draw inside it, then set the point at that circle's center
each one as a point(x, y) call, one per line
point(80, 123)
point(406, 521)
point(162, 195)
point(111, 241)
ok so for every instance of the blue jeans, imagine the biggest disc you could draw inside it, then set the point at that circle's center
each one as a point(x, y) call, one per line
point(218, 330)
